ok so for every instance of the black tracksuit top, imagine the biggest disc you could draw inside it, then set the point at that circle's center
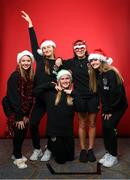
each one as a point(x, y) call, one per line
point(41, 75)
point(59, 117)
point(113, 96)
point(79, 68)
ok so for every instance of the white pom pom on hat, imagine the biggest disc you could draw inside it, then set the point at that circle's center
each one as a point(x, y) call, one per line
point(24, 53)
point(100, 55)
point(63, 72)
point(44, 44)
point(109, 60)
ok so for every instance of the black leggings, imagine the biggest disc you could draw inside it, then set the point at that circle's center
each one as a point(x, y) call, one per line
point(36, 116)
point(110, 131)
point(62, 148)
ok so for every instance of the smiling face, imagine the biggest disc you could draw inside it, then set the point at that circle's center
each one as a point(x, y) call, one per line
point(95, 63)
point(80, 50)
point(65, 81)
point(25, 62)
point(48, 51)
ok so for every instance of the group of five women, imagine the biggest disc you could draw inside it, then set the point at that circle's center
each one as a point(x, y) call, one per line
point(60, 88)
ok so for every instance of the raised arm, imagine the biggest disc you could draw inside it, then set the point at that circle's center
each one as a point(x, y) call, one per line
point(27, 18)
point(32, 34)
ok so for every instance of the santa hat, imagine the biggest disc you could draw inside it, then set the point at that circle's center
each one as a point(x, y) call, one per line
point(79, 44)
point(44, 44)
point(63, 72)
point(100, 55)
point(24, 53)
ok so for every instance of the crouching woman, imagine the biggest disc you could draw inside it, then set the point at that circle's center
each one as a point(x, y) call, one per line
point(61, 103)
point(18, 102)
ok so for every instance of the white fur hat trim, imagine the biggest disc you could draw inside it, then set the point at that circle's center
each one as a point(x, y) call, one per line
point(44, 44)
point(63, 72)
point(24, 53)
point(100, 57)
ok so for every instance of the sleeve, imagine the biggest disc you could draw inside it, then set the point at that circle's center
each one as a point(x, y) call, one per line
point(6, 106)
point(67, 64)
point(34, 44)
point(78, 102)
point(13, 96)
point(39, 90)
point(114, 95)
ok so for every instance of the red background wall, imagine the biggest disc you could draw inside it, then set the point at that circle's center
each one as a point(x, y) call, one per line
point(102, 23)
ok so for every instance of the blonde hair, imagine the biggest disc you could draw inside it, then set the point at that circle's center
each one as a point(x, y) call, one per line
point(27, 74)
point(104, 67)
point(58, 99)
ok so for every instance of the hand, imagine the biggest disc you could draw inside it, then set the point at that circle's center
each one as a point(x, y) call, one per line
point(25, 120)
point(107, 116)
point(54, 83)
point(68, 91)
point(58, 88)
point(20, 125)
point(27, 18)
point(58, 62)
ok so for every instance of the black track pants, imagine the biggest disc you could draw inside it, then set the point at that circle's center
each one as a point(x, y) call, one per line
point(36, 116)
point(110, 132)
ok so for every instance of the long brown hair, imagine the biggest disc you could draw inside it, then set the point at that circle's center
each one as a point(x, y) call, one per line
point(47, 68)
point(104, 67)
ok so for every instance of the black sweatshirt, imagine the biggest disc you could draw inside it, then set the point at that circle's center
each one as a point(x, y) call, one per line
point(12, 100)
point(41, 75)
point(79, 68)
point(113, 96)
point(59, 117)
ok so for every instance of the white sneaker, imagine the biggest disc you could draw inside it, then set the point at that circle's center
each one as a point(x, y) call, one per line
point(36, 154)
point(23, 158)
point(20, 164)
point(103, 159)
point(46, 156)
point(110, 161)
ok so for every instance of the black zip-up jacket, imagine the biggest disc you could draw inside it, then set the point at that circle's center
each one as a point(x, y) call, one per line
point(113, 95)
point(40, 75)
point(59, 117)
point(12, 102)
point(79, 68)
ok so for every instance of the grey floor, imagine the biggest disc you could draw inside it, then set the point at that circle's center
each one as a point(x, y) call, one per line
point(39, 170)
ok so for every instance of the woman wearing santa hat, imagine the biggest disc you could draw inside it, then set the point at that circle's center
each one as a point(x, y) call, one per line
point(45, 72)
point(17, 104)
point(109, 83)
point(79, 67)
point(60, 107)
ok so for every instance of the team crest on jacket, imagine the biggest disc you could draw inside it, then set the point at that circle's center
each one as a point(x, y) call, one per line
point(105, 84)
point(104, 81)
